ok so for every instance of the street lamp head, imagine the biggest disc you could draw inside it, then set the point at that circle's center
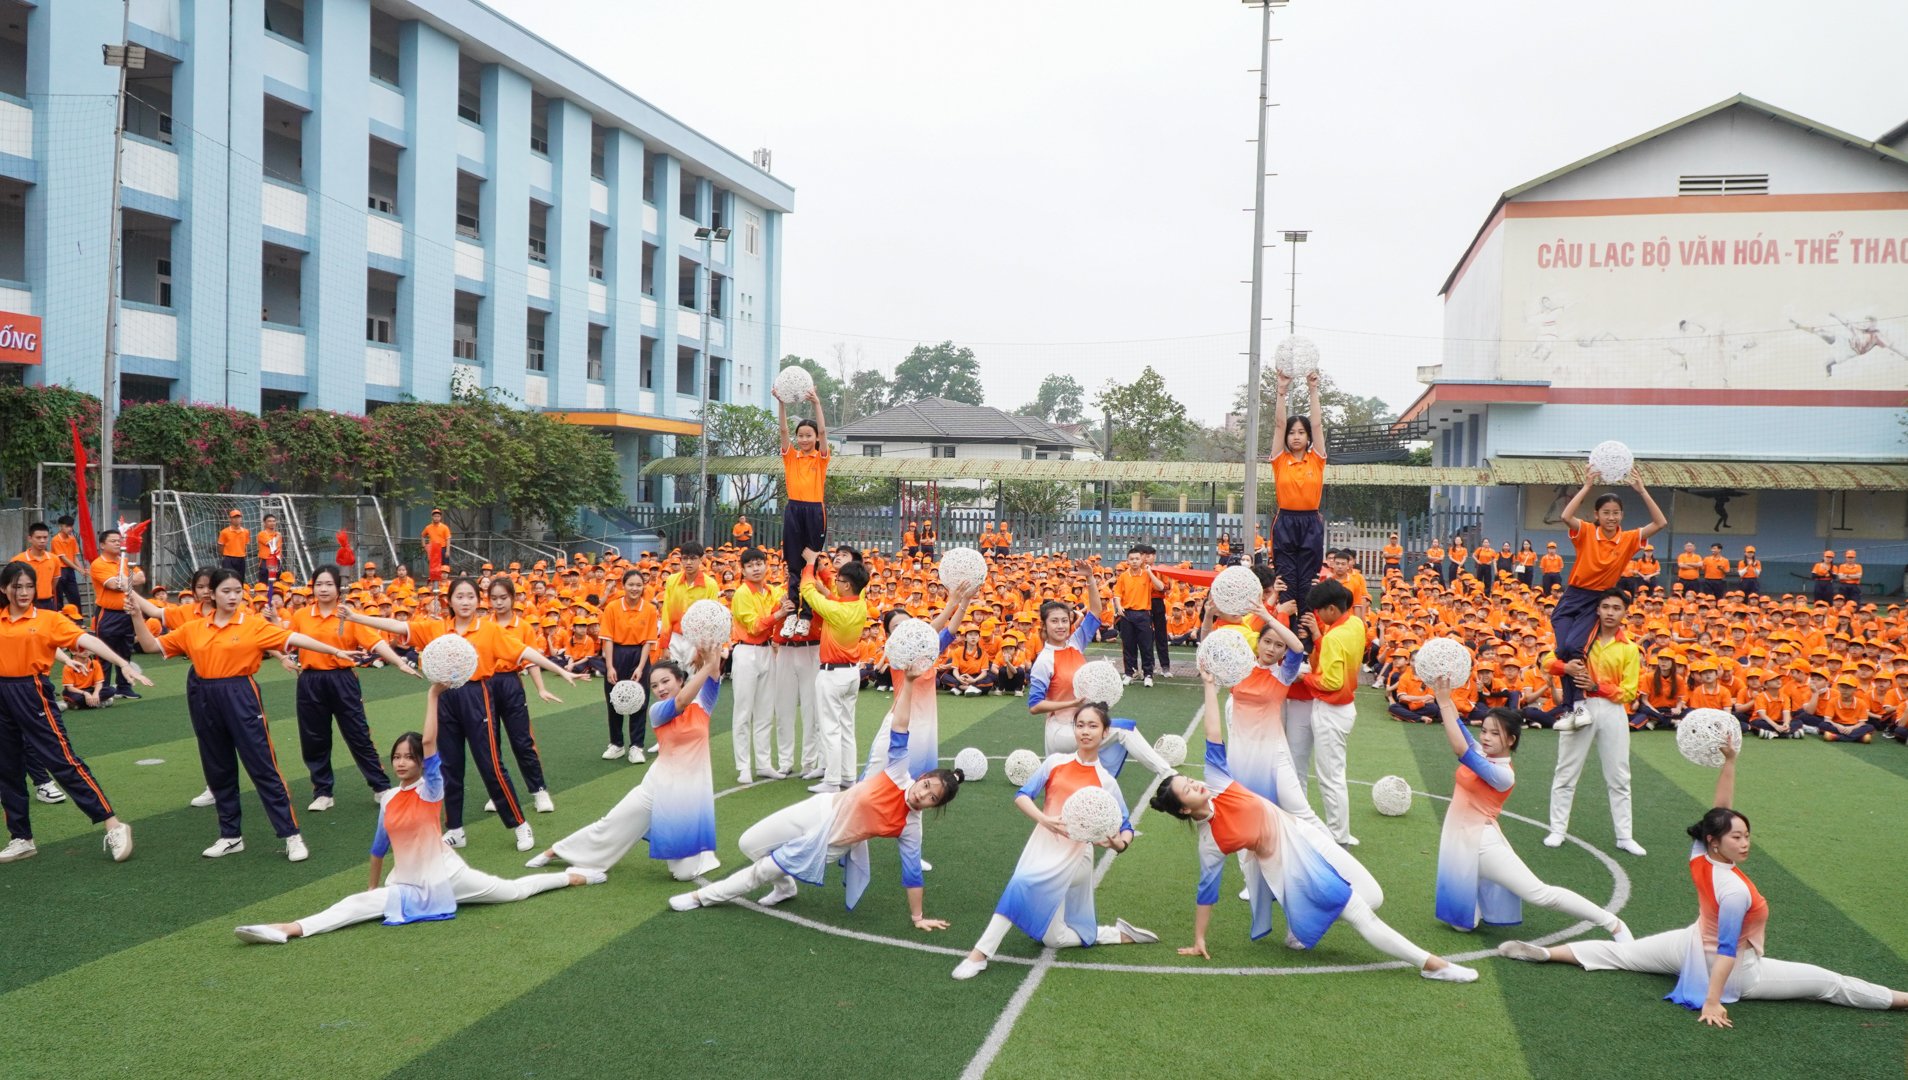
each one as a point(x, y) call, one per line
point(722, 233)
point(1297, 236)
point(704, 232)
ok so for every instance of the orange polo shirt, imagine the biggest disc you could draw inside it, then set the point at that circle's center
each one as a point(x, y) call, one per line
point(46, 571)
point(270, 545)
point(333, 631)
point(225, 652)
point(104, 598)
point(1600, 559)
point(1689, 566)
point(626, 623)
point(1715, 568)
point(496, 648)
point(437, 533)
point(27, 643)
point(1134, 589)
point(66, 547)
point(234, 540)
point(1300, 481)
point(805, 474)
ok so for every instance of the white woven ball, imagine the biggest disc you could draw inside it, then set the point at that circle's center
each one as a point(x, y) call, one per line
point(1171, 749)
point(626, 697)
point(1098, 680)
point(973, 765)
point(1091, 815)
point(1226, 656)
point(1700, 735)
point(1442, 658)
point(707, 623)
point(913, 646)
point(1236, 591)
point(449, 660)
point(962, 568)
point(1021, 765)
point(1296, 356)
point(1391, 796)
point(793, 384)
point(1611, 461)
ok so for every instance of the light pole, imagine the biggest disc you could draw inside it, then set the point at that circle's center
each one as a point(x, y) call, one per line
point(708, 236)
point(1254, 335)
point(126, 58)
point(1294, 237)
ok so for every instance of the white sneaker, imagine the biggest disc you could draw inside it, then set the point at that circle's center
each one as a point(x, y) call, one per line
point(1148, 681)
point(321, 804)
point(813, 774)
point(1525, 951)
point(590, 874)
point(17, 850)
point(1620, 933)
point(1453, 973)
point(261, 935)
point(1631, 846)
point(613, 752)
point(544, 804)
point(744, 779)
point(227, 845)
point(204, 798)
point(1349, 841)
point(1136, 934)
point(1760, 734)
point(774, 774)
point(490, 806)
point(119, 842)
point(685, 902)
point(295, 850)
point(1245, 894)
point(526, 839)
point(823, 788)
point(1555, 839)
point(926, 866)
point(636, 755)
point(784, 889)
point(801, 628)
point(49, 792)
point(455, 838)
point(1126, 680)
point(541, 858)
point(968, 968)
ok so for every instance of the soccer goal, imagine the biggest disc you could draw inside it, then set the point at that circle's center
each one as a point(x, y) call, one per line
point(186, 524)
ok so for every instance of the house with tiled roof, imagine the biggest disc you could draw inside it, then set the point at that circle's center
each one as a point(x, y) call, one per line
point(939, 428)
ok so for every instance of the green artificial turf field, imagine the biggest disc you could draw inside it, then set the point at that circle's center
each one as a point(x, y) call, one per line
point(132, 970)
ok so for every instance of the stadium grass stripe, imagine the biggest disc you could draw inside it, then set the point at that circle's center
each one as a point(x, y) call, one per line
point(1575, 1023)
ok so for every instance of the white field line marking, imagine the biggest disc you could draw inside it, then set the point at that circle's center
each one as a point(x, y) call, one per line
point(1004, 1024)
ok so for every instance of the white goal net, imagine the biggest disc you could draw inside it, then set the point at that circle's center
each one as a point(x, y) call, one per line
point(186, 525)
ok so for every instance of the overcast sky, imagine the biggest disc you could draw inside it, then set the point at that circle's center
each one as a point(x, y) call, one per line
point(1066, 185)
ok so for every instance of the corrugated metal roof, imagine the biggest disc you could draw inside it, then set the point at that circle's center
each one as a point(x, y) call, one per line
point(1749, 476)
point(1215, 472)
point(931, 418)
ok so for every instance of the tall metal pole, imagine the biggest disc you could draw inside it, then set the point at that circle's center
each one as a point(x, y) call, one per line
point(1291, 312)
point(109, 384)
point(702, 444)
point(1254, 334)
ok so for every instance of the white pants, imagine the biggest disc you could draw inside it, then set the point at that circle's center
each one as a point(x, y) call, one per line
point(1058, 936)
point(469, 886)
point(752, 679)
point(1379, 934)
point(1059, 734)
point(765, 836)
point(795, 669)
point(1498, 862)
point(606, 840)
point(1758, 978)
point(1610, 730)
point(835, 695)
point(1317, 731)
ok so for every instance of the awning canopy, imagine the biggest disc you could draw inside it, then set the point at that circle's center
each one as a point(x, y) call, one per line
point(1746, 475)
point(1216, 472)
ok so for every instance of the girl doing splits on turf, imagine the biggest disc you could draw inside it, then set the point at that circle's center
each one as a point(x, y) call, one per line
point(225, 648)
point(1718, 958)
point(1050, 896)
point(470, 714)
point(1298, 867)
point(430, 879)
point(674, 806)
point(1479, 875)
point(800, 842)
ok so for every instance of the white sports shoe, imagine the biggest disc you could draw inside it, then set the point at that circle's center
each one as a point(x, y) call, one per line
point(636, 755)
point(784, 890)
point(801, 628)
point(322, 803)
point(526, 839)
point(744, 779)
point(1525, 951)
point(119, 842)
point(823, 788)
point(968, 968)
point(1245, 894)
point(455, 838)
point(590, 874)
point(490, 806)
point(204, 798)
point(544, 804)
point(1126, 680)
point(1349, 841)
point(926, 866)
point(295, 850)
point(261, 935)
point(1454, 973)
point(227, 845)
point(1137, 935)
point(541, 858)
point(613, 752)
point(774, 774)
point(49, 792)
point(1631, 846)
point(685, 902)
point(1148, 681)
point(813, 774)
point(17, 850)
point(1555, 839)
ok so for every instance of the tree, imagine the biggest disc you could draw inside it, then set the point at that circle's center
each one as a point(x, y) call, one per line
point(862, 491)
point(829, 388)
point(740, 431)
point(942, 371)
point(1149, 424)
point(1032, 498)
point(868, 392)
point(34, 420)
point(1060, 400)
point(1340, 408)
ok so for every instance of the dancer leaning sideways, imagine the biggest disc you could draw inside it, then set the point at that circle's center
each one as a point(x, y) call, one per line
point(1719, 958)
point(1063, 649)
point(428, 880)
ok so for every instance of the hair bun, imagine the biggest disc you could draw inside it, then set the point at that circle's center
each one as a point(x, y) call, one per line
point(960, 775)
point(1696, 831)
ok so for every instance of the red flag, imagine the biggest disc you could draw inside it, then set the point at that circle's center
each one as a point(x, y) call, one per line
point(346, 556)
point(135, 536)
point(89, 544)
point(436, 555)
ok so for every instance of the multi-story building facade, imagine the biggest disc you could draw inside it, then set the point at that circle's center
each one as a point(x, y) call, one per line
point(341, 203)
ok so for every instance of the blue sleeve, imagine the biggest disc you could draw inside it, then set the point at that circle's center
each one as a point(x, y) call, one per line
point(1216, 761)
point(431, 788)
point(897, 747)
point(1730, 910)
point(947, 638)
point(380, 840)
point(711, 690)
point(1036, 783)
point(1211, 865)
point(1038, 678)
point(910, 843)
point(662, 712)
point(1487, 770)
point(1288, 670)
point(1123, 722)
point(1126, 817)
point(1084, 634)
